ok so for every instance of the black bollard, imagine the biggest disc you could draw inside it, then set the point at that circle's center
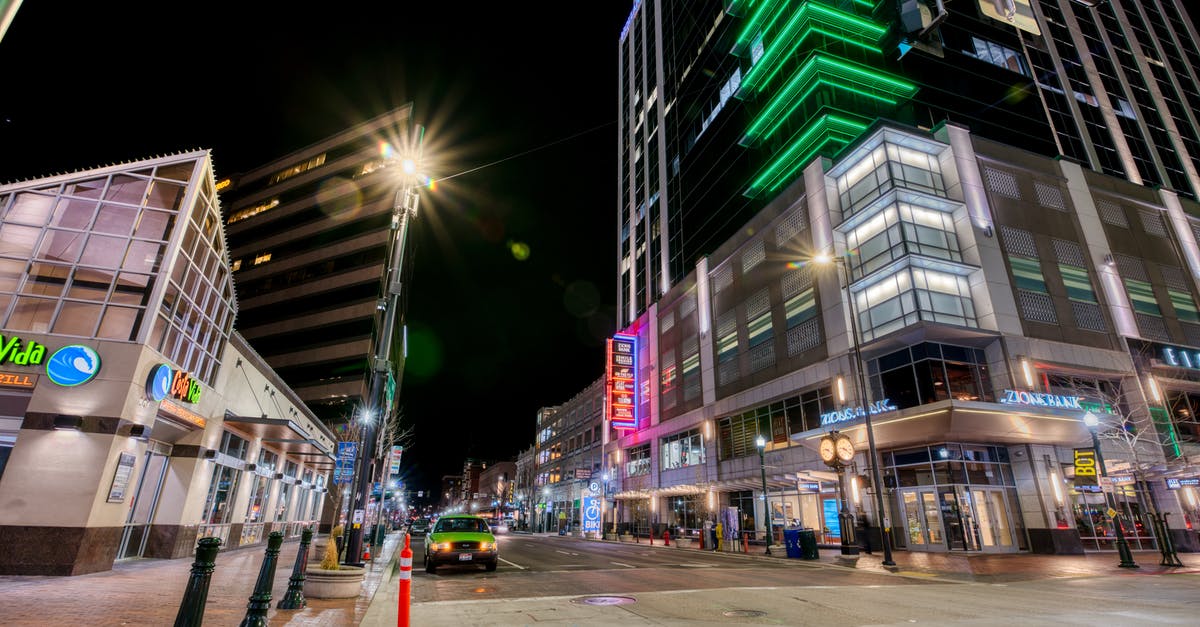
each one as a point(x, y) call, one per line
point(191, 609)
point(260, 600)
point(1170, 557)
point(293, 599)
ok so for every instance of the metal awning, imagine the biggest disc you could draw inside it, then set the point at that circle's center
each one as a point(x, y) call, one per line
point(963, 421)
point(282, 434)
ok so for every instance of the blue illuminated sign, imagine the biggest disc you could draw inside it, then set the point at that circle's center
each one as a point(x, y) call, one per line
point(1037, 399)
point(852, 413)
point(1181, 357)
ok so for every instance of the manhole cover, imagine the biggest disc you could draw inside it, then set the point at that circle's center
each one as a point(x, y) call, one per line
point(743, 613)
point(604, 600)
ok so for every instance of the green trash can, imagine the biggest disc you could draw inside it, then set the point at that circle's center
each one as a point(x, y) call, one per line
point(808, 544)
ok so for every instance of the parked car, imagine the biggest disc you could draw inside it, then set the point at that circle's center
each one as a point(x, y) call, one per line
point(460, 539)
point(419, 527)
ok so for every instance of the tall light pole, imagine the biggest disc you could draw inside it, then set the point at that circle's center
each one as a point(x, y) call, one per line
point(382, 384)
point(1092, 423)
point(762, 467)
point(876, 476)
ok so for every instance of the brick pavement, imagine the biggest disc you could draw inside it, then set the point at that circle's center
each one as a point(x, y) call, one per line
point(148, 592)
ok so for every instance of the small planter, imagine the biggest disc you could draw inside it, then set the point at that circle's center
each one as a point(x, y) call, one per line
point(344, 583)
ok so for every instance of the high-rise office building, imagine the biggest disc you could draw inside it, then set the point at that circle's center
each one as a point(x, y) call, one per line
point(310, 238)
point(944, 234)
point(721, 102)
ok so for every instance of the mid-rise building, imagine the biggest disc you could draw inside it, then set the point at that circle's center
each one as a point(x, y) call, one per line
point(568, 451)
point(134, 419)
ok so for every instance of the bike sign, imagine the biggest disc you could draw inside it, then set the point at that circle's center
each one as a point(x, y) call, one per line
point(591, 514)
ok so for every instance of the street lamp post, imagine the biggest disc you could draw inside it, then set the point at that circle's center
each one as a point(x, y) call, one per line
point(762, 467)
point(1092, 423)
point(876, 477)
point(404, 211)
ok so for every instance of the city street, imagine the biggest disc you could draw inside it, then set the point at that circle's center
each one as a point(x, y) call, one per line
point(567, 581)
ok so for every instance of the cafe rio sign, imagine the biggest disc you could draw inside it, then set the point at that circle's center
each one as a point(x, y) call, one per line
point(165, 381)
point(1038, 399)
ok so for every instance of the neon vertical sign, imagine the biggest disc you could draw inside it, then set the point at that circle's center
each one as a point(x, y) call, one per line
point(621, 381)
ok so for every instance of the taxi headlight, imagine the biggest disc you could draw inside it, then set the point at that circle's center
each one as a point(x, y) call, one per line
point(441, 546)
point(487, 546)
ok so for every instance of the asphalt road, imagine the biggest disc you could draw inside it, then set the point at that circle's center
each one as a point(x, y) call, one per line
point(564, 581)
point(566, 566)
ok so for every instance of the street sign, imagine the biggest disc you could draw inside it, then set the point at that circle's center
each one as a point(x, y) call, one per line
point(594, 487)
point(591, 514)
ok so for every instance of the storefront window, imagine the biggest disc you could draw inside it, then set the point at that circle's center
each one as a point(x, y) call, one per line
point(929, 372)
point(222, 489)
point(1184, 407)
point(261, 489)
point(687, 511)
point(638, 461)
point(681, 450)
point(955, 496)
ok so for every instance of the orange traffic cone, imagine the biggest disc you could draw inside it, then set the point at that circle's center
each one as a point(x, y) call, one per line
point(366, 552)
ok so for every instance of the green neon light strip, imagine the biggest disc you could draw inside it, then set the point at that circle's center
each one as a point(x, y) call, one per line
point(822, 131)
point(801, 23)
point(1163, 419)
point(795, 34)
point(754, 78)
point(768, 10)
point(822, 68)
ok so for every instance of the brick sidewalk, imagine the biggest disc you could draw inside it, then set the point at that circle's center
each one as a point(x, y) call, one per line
point(148, 592)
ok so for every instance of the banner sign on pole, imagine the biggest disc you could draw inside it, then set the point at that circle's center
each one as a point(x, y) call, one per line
point(343, 472)
point(1086, 479)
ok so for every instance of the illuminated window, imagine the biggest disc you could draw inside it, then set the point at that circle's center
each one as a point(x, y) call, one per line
point(298, 168)
point(250, 212)
point(1185, 307)
point(681, 450)
point(263, 258)
point(637, 461)
point(236, 265)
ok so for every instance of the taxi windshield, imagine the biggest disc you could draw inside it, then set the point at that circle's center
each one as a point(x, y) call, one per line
point(461, 524)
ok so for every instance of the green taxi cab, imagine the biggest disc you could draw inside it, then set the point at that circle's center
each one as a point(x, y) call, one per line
point(460, 539)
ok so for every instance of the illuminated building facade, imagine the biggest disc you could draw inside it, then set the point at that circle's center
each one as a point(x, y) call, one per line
point(721, 102)
point(133, 418)
point(1017, 228)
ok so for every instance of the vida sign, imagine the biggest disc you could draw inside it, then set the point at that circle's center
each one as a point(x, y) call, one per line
point(15, 351)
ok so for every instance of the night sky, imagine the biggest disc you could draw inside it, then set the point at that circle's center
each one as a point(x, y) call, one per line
point(520, 104)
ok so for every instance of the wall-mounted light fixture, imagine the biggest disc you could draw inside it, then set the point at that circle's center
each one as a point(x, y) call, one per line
point(1027, 372)
point(1057, 485)
point(841, 389)
point(210, 455)
point(63, 422)
point(1152, 387)
point(139, 432)
point(987, 231)
point(854, 491)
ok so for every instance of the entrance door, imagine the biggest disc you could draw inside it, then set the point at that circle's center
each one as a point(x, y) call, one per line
point(141, 509)
point(989, 521)
point(922, 520)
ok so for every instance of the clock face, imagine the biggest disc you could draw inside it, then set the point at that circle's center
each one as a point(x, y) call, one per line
point(828, 449)
point(845, 449)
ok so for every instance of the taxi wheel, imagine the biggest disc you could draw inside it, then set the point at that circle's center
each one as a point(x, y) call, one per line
point(430, 567)
point(491, 566)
